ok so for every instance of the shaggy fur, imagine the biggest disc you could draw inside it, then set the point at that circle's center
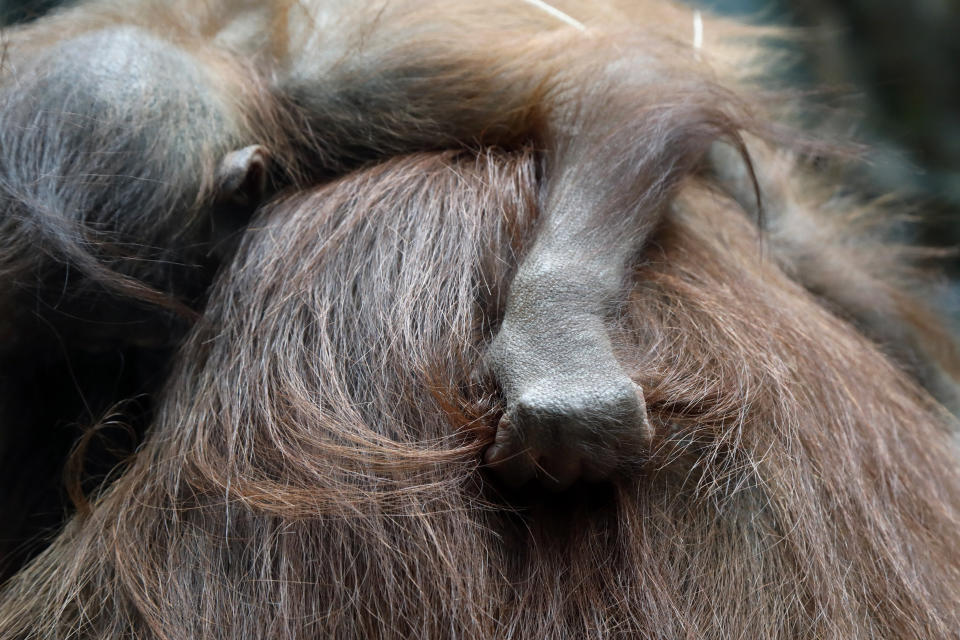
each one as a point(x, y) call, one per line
point(312, 467)
point(115, 113)
point(313, 470)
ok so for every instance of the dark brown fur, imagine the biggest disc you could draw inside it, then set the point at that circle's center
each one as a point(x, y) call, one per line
point(313, 467)
point(313, 471)
point(108, 189)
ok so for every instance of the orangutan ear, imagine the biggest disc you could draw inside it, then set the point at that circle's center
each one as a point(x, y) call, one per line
point(242, 176)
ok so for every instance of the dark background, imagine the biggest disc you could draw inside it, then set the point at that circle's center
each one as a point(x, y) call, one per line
point(897, 66)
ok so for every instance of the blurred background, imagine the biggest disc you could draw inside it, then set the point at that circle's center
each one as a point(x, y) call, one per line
point(897, 65)
point(893, 69)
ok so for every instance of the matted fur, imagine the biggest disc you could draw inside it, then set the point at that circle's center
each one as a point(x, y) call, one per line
point(314, 468)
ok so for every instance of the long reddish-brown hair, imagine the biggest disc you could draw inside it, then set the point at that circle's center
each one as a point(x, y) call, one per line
point(314, 469)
